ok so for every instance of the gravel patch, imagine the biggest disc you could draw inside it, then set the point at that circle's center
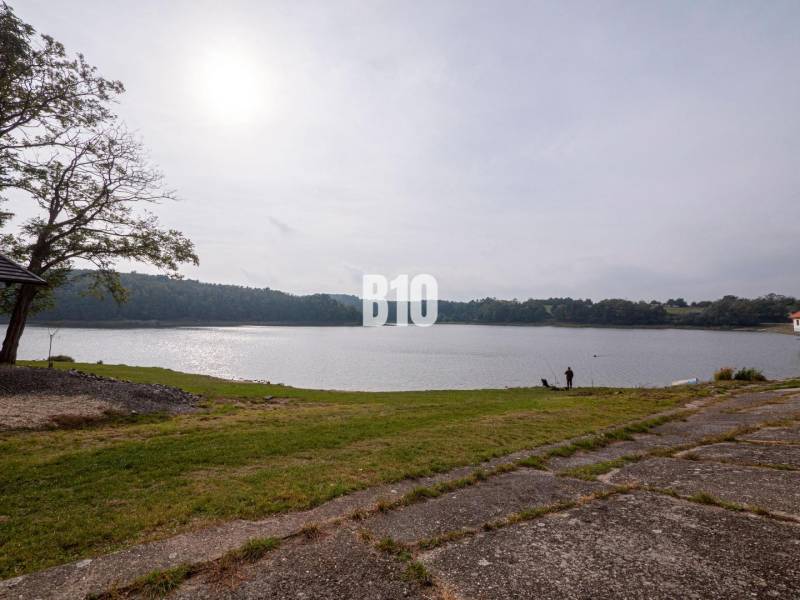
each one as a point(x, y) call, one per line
point(38, 410)
point(31, 397)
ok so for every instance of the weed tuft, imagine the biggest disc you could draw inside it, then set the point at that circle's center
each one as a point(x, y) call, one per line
point(420, 493)
point(394, 548)
point(161, 583)
point(416, 571)
point(450, 536)
point(252, 551)
point(365, 535)
point(504, 468)
point(708, 499)
point(311, 531)
point(255, 549)
point(592, 471)
point(359, 514)
point(534, 462)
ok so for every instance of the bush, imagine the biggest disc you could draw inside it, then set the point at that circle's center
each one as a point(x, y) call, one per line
point(62, 358)
point(724, 374)
point(749, 374)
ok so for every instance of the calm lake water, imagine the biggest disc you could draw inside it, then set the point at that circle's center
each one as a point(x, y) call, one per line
point(438, 357)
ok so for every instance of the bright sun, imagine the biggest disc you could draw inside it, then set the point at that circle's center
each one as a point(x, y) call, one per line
point(230, 86)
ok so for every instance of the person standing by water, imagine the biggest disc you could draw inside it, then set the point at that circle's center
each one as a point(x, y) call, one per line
point(569, 375)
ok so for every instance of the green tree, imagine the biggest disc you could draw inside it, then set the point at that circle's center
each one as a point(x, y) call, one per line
point(46, 97)
point(60, 144)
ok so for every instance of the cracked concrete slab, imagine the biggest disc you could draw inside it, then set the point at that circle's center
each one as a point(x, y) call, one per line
point(749, 454)
point(706, 425)
point(779, 408)
point(473, 506)
point(629, 546)
point(748, 410)
point(772, 489)
point(780, 435)
point(336, 567)
point(754, 399)
point(639, 446)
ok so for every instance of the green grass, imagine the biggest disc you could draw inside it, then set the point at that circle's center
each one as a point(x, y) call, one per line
point(591, 472)
point(159, 584)
point(394, 548)
point(72, 493)
point(444, 538)
point(416, 571)
point(601, 440)
point(534, 462)
point(252, 550)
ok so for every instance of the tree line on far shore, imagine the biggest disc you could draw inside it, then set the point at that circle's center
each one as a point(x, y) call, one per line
point(729, 311)
point(160, 298)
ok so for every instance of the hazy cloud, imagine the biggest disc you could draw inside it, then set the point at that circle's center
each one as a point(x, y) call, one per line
point(281, 226)
point(636, 149)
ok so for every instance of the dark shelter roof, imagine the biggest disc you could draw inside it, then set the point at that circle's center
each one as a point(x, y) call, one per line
point(11, 272)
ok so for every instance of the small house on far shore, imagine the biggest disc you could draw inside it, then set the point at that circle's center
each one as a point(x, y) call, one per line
point(796, 321)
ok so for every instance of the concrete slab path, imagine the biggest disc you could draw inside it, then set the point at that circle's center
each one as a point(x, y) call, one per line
point(661, 526)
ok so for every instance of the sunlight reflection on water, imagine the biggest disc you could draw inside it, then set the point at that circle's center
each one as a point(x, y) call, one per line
point(443, 356)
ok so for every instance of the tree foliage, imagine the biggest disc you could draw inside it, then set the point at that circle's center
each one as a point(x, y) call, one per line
point(729, 311)
point(46, 97)
point(63, 147)
point(159, 298)
point(91, 196)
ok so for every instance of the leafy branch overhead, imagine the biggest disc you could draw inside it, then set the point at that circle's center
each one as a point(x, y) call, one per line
point(91, 196)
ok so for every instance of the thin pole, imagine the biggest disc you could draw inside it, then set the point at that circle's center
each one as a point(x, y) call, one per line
point(50, 349)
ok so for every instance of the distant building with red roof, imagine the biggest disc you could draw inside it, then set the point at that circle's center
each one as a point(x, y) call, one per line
point(796, 320)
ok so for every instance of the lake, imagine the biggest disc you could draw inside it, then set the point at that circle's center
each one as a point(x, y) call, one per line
point(438, 357)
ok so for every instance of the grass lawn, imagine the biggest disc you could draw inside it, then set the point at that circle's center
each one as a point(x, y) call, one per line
point(71, 493)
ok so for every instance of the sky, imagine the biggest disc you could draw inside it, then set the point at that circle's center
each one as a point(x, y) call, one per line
point(510, 149)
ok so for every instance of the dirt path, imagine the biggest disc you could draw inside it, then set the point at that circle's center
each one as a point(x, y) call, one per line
point(39, 410)
point(707, 506)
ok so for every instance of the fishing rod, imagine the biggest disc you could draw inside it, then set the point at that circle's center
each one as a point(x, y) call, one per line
point(552, 371)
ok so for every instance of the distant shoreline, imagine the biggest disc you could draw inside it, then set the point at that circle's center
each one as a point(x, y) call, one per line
point(781, 328)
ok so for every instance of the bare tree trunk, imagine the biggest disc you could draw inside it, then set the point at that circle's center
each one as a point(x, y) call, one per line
point(19, 316)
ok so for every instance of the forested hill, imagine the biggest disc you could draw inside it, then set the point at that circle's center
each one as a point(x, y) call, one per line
point(729, 311)
point(159, 298)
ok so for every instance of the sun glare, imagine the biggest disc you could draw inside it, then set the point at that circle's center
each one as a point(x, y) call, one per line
point(230, 86)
